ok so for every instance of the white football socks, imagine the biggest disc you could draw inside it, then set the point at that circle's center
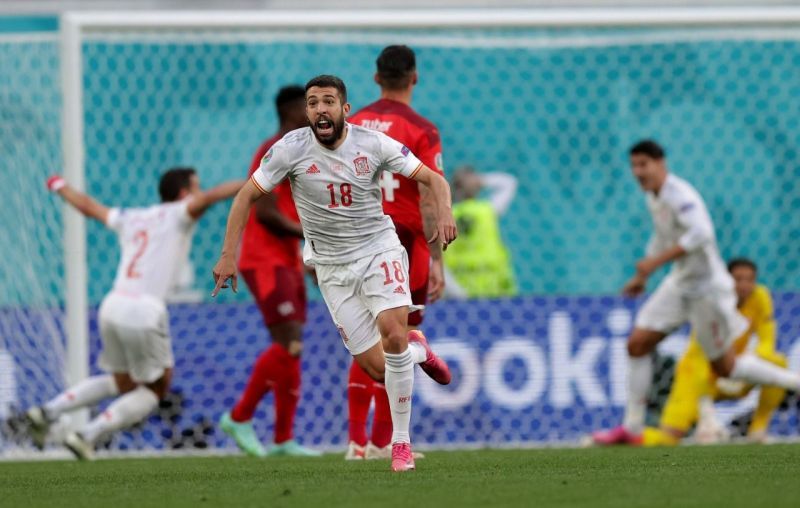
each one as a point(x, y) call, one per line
point(640, 377)
point(399, 381)
point(749, 367)
point(418, 353)
point(125, 411)
point(88, 392)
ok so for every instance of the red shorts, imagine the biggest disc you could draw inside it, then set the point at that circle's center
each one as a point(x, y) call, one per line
point(419, 267)
point(280, 293)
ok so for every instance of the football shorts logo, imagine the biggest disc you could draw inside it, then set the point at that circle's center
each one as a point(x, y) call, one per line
point(399, 290)
point(438, 161)
point(405, 151)
point(312, 170)
point(361, 165)
point(267, 157)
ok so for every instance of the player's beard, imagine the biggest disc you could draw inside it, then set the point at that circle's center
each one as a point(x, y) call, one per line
point(336, 134)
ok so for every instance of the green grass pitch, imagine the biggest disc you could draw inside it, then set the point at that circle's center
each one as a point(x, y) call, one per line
point(725, 476)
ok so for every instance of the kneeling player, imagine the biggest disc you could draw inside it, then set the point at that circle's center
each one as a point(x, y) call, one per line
point(137, 349)
point(695, 384)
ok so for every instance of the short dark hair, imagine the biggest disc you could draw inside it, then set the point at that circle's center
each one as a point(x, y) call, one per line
point(173, 181)
point(650, 148)
point(738, 262)
point(286, 98)
point(329, 81)
point(396, 65)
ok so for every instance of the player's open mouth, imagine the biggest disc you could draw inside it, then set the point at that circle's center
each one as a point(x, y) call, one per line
point(324, 127)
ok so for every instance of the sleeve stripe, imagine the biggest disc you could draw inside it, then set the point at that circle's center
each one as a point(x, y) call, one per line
point(258, 186)
point(414, 173)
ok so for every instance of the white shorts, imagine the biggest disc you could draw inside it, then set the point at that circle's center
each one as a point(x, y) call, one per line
point(135, 334)
point(357, 292)
point(713, 315)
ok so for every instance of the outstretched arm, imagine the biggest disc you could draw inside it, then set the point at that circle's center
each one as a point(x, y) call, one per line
point(225, 268)
point(204, 200)
point(84, 203)
point(445, 230)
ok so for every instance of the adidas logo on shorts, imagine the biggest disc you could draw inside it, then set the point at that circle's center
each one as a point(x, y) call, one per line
point(399, 290)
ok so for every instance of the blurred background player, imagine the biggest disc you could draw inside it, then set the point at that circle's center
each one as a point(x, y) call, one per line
point(698, 289)
point(695, 386)
point(478, 265)
point(272, 267)
point(133, 320)
point(412, 210)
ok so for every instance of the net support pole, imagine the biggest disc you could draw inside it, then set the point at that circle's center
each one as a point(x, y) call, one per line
point(76, 299)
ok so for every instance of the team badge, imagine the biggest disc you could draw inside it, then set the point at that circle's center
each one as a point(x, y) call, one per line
point(267, 157)
point(362, 166)
point(405, 151)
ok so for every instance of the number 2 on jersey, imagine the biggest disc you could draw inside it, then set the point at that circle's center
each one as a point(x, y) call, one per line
point(346, 193)
point(398, 272)
point(139, 238)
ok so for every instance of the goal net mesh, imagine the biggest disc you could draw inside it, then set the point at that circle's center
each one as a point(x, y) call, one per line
point(556, 108)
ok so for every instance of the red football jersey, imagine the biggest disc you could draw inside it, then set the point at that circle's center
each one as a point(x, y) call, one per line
point(403, 124)
point(260, 246)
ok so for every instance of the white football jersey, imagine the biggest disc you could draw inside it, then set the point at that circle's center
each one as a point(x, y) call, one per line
point(680, 217)
point(337, 192)
point(155, 244)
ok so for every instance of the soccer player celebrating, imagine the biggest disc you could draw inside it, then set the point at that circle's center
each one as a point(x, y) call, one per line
point(137, 349)
point(271, 265)
point(695, 386)
point(412, 210)
point(334, 169)
point(699, 290)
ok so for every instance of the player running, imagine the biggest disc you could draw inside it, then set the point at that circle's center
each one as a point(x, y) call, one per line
point(271, 265)
point(412, 210)
point(334, 169)
point(137, 349)
point(695, 386)
point(698, 289)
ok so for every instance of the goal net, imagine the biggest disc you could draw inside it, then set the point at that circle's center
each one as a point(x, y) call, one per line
point(556, 106)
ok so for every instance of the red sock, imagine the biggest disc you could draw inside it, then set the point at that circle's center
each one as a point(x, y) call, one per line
point(359, 396)
point(287, 394)
point(382, 420)
point(258, 385)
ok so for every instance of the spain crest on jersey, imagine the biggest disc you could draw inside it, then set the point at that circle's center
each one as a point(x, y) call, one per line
point(361, 165)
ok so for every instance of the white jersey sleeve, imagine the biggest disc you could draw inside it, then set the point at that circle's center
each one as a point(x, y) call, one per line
point(397, 158)
point(691, 214)
point(114, 220)
point(275, 167)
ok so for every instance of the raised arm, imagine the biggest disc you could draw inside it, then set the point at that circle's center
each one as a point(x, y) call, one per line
point(84, 203)
point(204, 200)
point(225, 268)
point(445, 230)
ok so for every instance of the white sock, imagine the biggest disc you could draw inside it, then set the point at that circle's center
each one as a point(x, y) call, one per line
point(418, 353)
point(399, 381)
point(88, 392)
point(756, 370)
point(640, 377)
point(123, 412)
